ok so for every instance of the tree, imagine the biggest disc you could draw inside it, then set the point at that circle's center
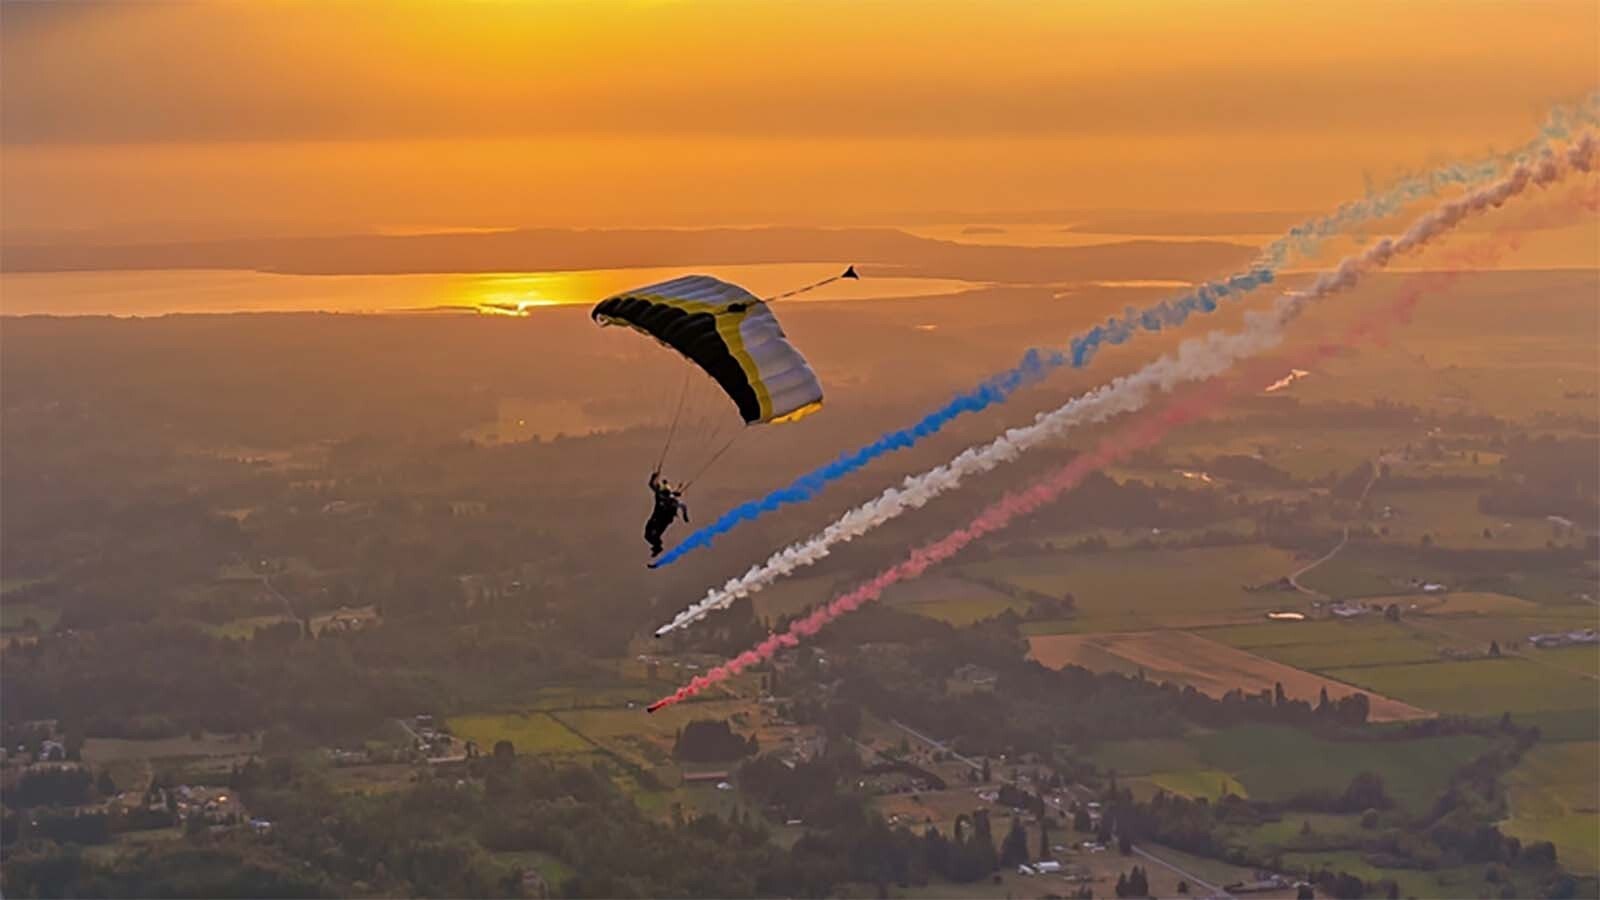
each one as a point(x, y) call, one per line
point(1366, 792)
point(1082, 822)
point(1044, 838)
point(1494, 648)
point(1540, 853)
point(105, 785)
point(504, 751)
point(1304, 892)
point(1122, 884)
point(986, 773)
point(1138, 883)
point(1124, 844)
point(1014, 849)
point(1183, 886)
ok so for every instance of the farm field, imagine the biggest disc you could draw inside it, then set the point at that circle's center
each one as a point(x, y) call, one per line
point(953, 600)
point(1211, 784)
point(15, 616)
point(792, 595)
point(1583, 660)
point(1275, 763)
point(1304, 452)
point(1329, 643)
point(532, 733)
point(1481, 687)
point(1554, 795)
point(1139, 589)
point(1210, 667)
point(245, 628)
point(97, 751)
point(646, 740)
point(1463, 881)
point(1451, 519)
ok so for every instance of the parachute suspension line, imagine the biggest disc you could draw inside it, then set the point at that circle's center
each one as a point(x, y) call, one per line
point(847, 273)
point(673, 428)
point(714, 457)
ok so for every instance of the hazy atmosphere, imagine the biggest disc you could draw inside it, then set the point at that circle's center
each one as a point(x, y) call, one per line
point(680, 448)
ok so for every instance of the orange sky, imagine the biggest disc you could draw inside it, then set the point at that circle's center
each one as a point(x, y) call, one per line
point(167, 120)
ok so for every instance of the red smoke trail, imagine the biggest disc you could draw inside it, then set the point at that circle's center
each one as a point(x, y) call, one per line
point(1143, 431)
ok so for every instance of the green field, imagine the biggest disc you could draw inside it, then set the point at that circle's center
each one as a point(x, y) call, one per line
point(1285, 833)
point(1323, 645)
point(1138, 589)
point(1479, 687)
point(1208, 783)
point(1554, 795)
point(646, 740)
point(533, 733)
point(792, 595)
point(246, 627)
point(1452, 519)
point(107, 750)
point(1583, 660)
point(1462, 881)
point(1273, 763)
point(954, 600)
point(14, 616)
point(1366, 570)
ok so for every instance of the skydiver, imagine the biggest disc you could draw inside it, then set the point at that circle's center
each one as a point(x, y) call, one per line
point(669, 503)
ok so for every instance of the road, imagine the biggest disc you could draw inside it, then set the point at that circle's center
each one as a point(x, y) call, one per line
point(1344, 538)
point(1214, 890)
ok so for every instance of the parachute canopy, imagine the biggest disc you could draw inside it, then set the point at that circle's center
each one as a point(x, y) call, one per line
point(728, 332)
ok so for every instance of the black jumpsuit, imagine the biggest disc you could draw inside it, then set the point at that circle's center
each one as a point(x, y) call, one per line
point(667, 508)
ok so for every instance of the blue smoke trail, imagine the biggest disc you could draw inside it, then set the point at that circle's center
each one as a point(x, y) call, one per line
point(1302, 239)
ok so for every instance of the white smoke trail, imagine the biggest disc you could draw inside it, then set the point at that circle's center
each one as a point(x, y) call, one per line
point(1196, 359)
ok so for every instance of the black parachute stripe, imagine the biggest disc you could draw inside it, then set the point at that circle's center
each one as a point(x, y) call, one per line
point(695, 336)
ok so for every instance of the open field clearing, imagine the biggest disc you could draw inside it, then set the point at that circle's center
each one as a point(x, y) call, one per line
point(246, 628)
point(374, 779)
point(1554, 795)
point(1211, 784)
point(1466, 603)
point(1304, 451)
point(1263, 635)
point(1478, 687)
point(1582, 660)
point(1451, 519)
point(15, 616)
point(1134, 589)
point(106, 750)
point(792, 595)
point(952, 600)
point(533, 733)
point(1277, 763)
point(1210, 667)
point(1462, 881)
point(646, 740)
point(1274, 763)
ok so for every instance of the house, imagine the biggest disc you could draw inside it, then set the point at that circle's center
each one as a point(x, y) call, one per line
point(1024, 870)
point(705, 777)
point(1434, 587)
point(1047, 867)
